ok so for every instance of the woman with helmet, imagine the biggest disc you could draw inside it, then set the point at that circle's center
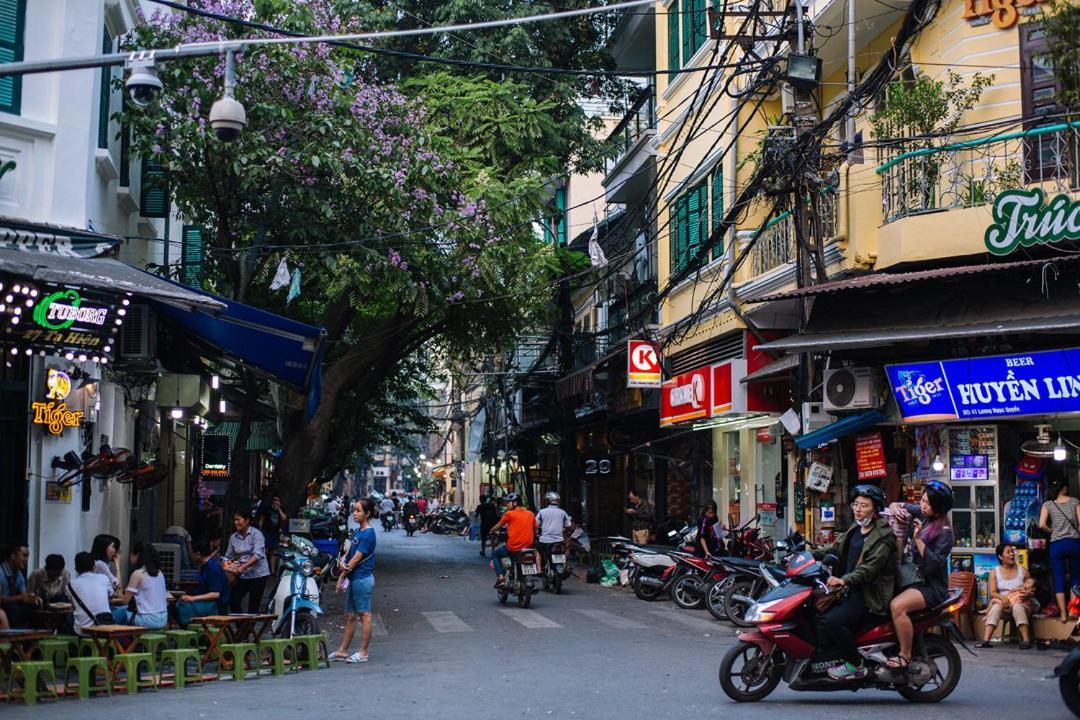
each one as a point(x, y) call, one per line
point(930, 540)
point(867, 570)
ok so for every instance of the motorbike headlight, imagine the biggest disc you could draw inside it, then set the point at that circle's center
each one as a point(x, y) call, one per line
point(761, 612)
point(307, 567)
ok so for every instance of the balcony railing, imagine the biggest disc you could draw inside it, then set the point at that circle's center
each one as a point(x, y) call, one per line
point(640, 118)
point(776, 245)
point(973, 172)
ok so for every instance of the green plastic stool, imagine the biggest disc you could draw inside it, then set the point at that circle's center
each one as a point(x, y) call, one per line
point(315, 651)
point(239, 652)
point(183, 639)
point(134, 665)
point(85, 669)
point(153, 643)
point(178, 659)
point(87, 648)
point(72, 640)
point(277, 649)
point(31, 672)
point(54, 651)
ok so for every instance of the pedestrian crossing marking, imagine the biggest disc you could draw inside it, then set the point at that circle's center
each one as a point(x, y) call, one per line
point(529, 618)
point(446, 622)
point(611, 619)
point(685, 618)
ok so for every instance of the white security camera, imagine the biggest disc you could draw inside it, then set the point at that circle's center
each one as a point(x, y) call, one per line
point(143, 83)
point(228, 118)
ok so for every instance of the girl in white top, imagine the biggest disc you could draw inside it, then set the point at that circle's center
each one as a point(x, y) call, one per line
point(147, 587)
point(106, 552)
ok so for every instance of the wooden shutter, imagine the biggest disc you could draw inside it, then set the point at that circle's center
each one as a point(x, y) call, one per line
point(682, 233)
point(12, 30)
point(696, 228)
point(673, 40)
point(560, 221)
point(687, 28)
point(717, 216)
point(153, 193)
point(700, 23)
point(191, 255)
point(105, 93)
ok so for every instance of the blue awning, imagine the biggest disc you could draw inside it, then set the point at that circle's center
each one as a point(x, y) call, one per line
point(838, 429)
point(289, 351)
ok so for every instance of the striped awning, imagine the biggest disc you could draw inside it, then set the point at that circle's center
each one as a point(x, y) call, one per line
point(263, 435)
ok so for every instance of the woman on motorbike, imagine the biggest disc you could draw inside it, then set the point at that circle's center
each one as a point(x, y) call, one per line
point(866, 570)
point(930, 542)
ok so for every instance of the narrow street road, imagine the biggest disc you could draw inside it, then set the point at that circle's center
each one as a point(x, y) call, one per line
point(445, 649)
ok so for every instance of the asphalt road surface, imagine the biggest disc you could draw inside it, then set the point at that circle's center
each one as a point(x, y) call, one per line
point(445, 649)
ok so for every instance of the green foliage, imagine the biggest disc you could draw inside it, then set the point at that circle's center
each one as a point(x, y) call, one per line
point(925, 106)
point(1061, 19)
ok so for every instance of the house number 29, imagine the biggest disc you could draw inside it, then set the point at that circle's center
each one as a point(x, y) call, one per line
point(598, 467)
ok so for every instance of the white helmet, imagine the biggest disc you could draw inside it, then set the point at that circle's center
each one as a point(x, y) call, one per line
point(552, 497)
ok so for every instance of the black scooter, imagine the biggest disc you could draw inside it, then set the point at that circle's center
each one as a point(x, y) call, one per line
point(411, 525)
point(1068, 675)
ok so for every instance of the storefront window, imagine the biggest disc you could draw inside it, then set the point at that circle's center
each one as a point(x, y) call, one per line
point(767, 462)
point(732, 474)
point(973, 472)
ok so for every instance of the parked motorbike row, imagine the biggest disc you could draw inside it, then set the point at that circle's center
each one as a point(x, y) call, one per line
point(768, 590)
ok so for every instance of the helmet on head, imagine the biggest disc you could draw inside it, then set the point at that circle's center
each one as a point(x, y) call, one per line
point(552, 497)
point(872, 493)
point(512, 497)
point(940, 496)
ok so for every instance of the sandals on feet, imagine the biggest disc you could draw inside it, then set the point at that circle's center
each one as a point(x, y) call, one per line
point(898, 663)
point(984, 644)
point(357, 658)
point(337, 657)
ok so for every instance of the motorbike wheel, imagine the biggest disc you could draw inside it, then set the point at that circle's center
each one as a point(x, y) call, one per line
point(738, 600)
point(503, 596)
point(524, 597)
point(687, 592)
point(645, 593)
point(940, 686)
point(714, 597)
point(556, 583)
point(747, 674)
point(1069, 685)
point(306, 624)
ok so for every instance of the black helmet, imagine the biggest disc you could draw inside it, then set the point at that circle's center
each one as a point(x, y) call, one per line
point(873, 492)
point(940, 496)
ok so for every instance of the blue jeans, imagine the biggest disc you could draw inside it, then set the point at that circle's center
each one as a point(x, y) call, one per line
point(188, 611)
point(1065, 552)
point(358, 596)
point(496, 558)
point(153, 621)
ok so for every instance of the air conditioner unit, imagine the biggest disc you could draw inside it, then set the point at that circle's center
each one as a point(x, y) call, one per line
point(138, 335)
point(787, 99)
point(851, 388)
point(619, 284)
point(813, 418)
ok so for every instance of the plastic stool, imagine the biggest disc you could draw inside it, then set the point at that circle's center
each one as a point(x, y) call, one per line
point(178, 658)
point(31, 672)
point(133, 663)
point(239, 652)
point(277, 650)
point(54, 651)
point(85, 671)
point(314, 647)
point(72, 641)
point(183, 639)
point(153, 643)
point(87, 648)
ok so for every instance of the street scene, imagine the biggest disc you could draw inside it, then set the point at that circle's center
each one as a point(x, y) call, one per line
point(589, 358)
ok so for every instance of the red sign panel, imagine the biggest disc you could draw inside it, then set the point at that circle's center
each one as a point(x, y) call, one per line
point(642, 365)
point(869, 456)
point(686, 397)
point(728, 393)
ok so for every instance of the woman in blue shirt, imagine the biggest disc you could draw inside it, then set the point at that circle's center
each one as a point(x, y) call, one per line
point(358, 569)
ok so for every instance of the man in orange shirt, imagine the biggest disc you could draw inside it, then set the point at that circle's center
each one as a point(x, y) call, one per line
point(520, 524)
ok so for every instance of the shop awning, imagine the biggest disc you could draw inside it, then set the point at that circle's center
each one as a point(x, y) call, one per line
point(261, 436)
point(840, 428)
point(289, 351)
point(100, 273)
point(775, 369)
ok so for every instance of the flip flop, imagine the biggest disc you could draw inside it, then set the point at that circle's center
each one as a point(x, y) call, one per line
point(337, 657)
point(357, 658)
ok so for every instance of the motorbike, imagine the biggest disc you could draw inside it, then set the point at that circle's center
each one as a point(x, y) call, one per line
point(387, 521)
point(556, 568)
point(448, 520)
point(411, 524)
point(752, 579)
point(296, 599)
point(521, 571)
point(1068, 676)
point(784, 645)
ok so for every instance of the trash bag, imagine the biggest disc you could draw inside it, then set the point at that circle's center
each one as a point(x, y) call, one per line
point(594, 574)
point(611, 574)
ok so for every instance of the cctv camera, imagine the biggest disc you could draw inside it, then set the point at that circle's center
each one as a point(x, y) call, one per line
point(143, 83)
point(228, 118)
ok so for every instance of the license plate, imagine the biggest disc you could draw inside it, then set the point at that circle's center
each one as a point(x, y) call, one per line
point(528, 569)
point(558, 559)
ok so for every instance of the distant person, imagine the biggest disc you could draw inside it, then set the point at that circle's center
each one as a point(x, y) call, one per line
point(106, 552)
point(640, 513)
point(246, 556)
point(488, 514)
point(433, 504)
point(90, 592)
point(358, 569)
point(422, 503)
point(146, 587)
point(1012, 594)
point(50, 583)
point(553, 522)
point(273, 523)
point(211, 597)
point(708, 542)
point(16, 602)
point(520, 532)
point(1060, 516)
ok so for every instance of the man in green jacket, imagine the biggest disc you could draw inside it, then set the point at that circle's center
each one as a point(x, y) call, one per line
point(867, 569)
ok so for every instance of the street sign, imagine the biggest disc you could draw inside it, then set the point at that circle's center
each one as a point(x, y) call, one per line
point(642, 365)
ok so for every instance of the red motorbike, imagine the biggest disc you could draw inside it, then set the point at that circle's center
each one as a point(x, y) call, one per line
point(784, 645)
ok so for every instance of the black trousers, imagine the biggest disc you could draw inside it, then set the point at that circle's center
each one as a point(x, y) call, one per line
point(485, 530)
point(838, 626)
point(253, 589)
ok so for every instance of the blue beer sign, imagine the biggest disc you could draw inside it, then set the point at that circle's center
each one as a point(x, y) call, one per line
point(980, 388)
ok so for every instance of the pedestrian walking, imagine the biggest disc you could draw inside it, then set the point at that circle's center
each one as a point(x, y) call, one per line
point(358, 581)
point(273, 521)
point(640, 513)
point(488, 515)
point(246, 555)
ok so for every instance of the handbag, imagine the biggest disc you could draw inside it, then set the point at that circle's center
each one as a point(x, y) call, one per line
point(908, 576)
point(101, 618)
point(823, 598)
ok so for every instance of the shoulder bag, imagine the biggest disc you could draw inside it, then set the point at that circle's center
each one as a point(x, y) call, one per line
point(1068, 519)
point(101, 618)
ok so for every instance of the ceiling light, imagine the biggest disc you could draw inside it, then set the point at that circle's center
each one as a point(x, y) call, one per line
point(1060, 452)
point(938, 465)
point(177, 413)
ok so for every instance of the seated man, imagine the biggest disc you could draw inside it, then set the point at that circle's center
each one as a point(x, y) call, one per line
point(90, 592)
point(51, 581)
point(212, 595)
point(15, 601)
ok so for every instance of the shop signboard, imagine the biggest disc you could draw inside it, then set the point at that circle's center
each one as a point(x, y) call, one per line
point(728, 394)
point(1022, 218)
point(1002, 13)
point(48, 317)
point(982, 388)
point(642, 365)
point(216, 456)
point(686, 397)
point(870, 456)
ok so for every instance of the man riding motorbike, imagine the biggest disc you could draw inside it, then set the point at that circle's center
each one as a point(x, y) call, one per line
point(866, 572)
point(552, 522)
point(386, 509)
point(519, 524)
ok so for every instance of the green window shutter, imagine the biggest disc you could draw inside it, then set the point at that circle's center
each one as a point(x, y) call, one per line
point(687, 29)
point(695, 228)
point(561, 229)
point(12, 31)
point(191, 255)
point(700, 23)
point(125, 147)
point(682, 234)
point(153, 194)
point(673, 40)
point(106, 94)
point(717, 210)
